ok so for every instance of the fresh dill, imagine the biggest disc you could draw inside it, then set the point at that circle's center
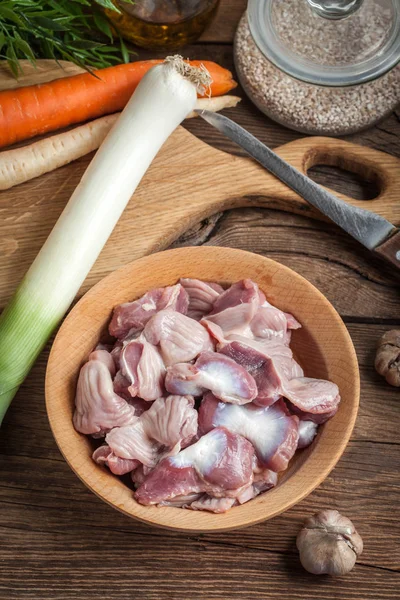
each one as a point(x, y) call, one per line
point(74, 30)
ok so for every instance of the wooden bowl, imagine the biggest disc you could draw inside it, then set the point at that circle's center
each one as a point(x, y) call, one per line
point(323, 347)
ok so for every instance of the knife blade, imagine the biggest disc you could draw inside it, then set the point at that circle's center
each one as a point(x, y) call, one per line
point(368, 228)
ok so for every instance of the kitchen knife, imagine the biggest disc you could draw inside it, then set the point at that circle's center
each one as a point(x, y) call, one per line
point(371, 230)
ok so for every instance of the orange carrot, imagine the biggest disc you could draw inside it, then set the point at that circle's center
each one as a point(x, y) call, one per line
point(37, 109)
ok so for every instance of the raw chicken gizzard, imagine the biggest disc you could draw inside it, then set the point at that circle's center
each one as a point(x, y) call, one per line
point(200, 398)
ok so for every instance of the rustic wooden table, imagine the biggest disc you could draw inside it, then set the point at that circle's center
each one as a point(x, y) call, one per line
point(59, 542)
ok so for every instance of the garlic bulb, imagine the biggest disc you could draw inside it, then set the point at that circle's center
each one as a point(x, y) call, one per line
point(328, 544)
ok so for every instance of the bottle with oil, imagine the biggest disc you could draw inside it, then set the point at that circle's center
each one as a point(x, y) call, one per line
point(162, 24)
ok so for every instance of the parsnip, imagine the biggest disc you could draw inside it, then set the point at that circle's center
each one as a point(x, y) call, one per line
point(22, 164)
point(215, 104)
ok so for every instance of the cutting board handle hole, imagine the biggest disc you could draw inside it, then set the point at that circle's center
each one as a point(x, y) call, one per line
point(344, 174)
point(345, 182)
point(356, 182)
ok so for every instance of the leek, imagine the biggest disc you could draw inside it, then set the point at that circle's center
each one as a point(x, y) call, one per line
point(162, 100)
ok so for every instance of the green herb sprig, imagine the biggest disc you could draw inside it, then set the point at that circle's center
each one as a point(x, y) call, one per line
point(75, 30)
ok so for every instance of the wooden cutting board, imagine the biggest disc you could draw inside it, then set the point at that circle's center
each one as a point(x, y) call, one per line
point(187, 182)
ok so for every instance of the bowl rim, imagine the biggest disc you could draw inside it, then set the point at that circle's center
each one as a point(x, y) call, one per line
point(255, 511)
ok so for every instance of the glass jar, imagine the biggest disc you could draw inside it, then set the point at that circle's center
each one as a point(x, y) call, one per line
point(163, 24)
point(321, 66)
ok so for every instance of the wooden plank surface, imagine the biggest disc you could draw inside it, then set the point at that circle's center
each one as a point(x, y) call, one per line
point(59, 542)
point(224, 27)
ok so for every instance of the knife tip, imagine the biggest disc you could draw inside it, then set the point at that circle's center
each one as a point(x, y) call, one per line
point(207, 115)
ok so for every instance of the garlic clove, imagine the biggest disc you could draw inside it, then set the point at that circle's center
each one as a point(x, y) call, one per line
point(329, 544)
point(387, 360)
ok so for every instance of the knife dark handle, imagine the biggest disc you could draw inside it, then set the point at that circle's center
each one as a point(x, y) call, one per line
point(390, 249)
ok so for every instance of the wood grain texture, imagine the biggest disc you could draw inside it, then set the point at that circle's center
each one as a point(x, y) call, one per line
point(357, 283)
point(44, 70)
point(218, 182)
point(58, 537)
point(60, 542)
point(223, 28)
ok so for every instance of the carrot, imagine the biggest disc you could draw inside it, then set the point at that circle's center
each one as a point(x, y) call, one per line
point(22, 164)
point(37, 109)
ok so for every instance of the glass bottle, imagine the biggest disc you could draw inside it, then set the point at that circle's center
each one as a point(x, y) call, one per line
point(163, 24)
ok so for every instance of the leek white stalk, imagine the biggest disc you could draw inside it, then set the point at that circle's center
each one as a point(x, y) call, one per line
point(160, 103)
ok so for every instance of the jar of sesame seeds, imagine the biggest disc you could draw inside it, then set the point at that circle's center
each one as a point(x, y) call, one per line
point(328, 67)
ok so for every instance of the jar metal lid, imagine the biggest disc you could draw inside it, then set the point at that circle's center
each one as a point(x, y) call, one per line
point(302, 42)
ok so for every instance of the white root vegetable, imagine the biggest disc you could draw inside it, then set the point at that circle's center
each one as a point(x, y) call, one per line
point(22, 164)
point(215, 104)
point(166, 94)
